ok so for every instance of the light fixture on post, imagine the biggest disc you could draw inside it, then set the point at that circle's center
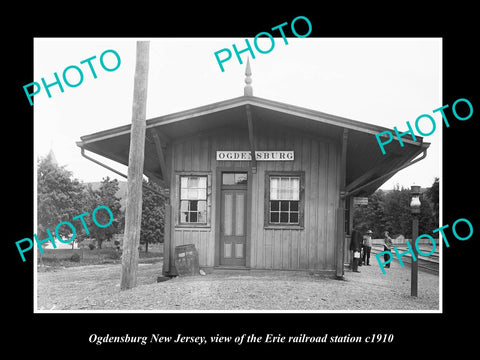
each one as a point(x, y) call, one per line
point(415, 210)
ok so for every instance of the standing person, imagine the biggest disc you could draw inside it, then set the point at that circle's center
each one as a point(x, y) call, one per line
point(387, 245)
point(367, 247)
point(355, 246)
point(361, 260)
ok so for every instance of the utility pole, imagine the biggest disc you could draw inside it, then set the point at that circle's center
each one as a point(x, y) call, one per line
point(133, 211)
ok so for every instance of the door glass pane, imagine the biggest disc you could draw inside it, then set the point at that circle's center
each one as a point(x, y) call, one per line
point(241, 178)
point(228, 178)
point(234, 178)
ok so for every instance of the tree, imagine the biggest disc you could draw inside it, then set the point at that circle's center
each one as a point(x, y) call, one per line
point(105, 196)
point(432, 195)
point(429, 210)
point(371, 216)
point(390, 210)
point(60, 197)
point(397, 211)
point(153, 216)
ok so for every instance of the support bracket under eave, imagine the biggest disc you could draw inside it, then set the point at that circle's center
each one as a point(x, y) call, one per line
point(160, 155)
point(251, 138)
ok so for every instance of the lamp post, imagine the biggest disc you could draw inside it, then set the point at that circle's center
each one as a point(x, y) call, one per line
point(415, 210)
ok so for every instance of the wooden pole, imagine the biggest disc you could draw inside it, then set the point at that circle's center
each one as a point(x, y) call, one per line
point(133, 211)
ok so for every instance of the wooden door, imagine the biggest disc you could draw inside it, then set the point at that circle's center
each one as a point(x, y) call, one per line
point(233, 227)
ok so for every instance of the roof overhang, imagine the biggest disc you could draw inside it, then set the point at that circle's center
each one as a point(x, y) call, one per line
point(365, 161)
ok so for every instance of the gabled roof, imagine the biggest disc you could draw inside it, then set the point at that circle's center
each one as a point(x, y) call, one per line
point(364, 158)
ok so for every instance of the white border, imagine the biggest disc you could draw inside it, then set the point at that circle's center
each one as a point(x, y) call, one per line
point(440, 310)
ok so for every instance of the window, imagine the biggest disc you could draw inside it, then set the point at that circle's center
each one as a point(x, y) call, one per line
point(237, 178)
point(193, 199)
point(284, 199)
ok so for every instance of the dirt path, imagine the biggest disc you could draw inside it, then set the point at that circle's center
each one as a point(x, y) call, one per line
point(97, 288)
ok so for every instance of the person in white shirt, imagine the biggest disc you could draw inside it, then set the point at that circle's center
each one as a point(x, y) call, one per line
point(367, 247)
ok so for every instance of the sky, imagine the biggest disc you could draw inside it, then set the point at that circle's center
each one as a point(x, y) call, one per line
point(382, 81)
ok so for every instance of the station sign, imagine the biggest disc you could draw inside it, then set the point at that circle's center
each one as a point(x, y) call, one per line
point(360, 201)
point(259, 155)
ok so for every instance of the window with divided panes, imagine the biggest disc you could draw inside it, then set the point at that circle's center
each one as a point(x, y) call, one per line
point(284, 200)
point(193, 199)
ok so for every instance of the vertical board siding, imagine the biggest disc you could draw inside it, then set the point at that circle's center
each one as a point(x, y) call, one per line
point(189, 156)
point(322, 210)
point(310, 248)
point(313, 247)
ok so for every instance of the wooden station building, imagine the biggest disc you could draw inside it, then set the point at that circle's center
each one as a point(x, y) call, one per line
point(260, 184)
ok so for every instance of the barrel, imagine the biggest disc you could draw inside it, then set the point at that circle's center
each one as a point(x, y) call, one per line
point(186, 260)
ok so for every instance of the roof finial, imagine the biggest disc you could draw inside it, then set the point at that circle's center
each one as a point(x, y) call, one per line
point(248, 90)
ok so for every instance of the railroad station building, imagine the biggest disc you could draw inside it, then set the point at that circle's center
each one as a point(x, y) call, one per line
point(260, 184)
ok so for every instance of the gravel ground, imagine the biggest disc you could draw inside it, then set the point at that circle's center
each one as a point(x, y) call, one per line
point(97, 288)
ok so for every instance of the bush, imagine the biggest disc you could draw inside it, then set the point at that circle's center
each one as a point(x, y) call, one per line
point(91, 246)
point(75, 258)
point(115, 256)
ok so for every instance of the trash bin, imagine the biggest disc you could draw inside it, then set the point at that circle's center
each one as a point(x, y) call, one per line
point(186, 260)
